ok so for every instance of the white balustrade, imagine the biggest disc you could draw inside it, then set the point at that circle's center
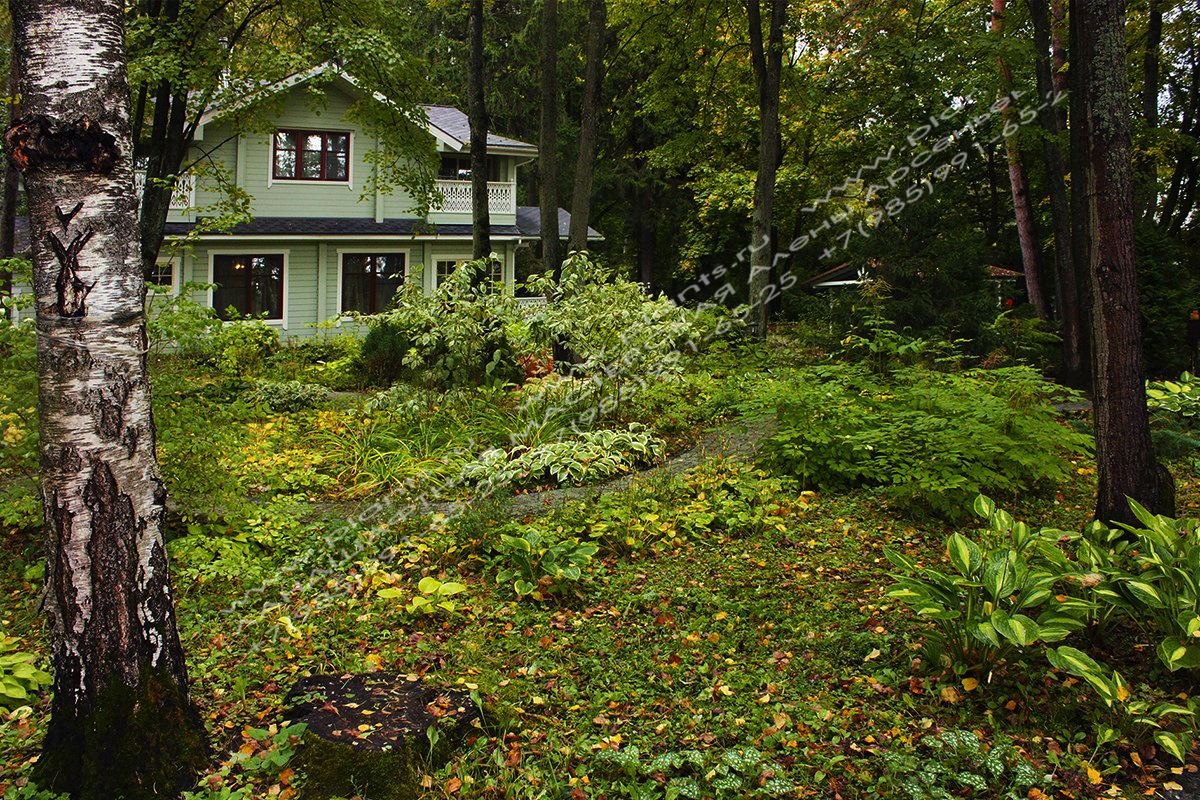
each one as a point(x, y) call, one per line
point(456, 197)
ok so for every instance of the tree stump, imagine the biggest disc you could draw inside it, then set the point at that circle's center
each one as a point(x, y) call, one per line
point(370, 734)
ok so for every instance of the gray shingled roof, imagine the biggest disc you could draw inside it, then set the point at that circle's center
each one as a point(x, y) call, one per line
point(457, 125)
point(529, 226)
point(339, 226)
point(529, 220)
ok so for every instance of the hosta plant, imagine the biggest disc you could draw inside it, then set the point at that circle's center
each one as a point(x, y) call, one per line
point(1160, 589)
point(433, 596)
point(536, 567)
point(19, 677)
point(1131, 713)
point(998, 597)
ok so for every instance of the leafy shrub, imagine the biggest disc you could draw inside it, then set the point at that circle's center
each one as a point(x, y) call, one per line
point(595, 455)
point(20, 503)
point(1159, 585)
point(982, 609)
point(288, 396)
point(432, 596)
point(19, 676)
point(242, 347)
point(930, 440)
point(1175, 403)
point(177, 323)
point(536, 567)
point(457, 336)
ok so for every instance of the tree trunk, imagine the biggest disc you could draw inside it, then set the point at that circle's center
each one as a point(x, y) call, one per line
point(1022, 204)
point(1150, 89)
point(481, 219)
point(548, 140)
point(121, 723)
point(8, 206)
point(585, 166)
point(768, 67)
point(1073, 370)
point(1103, 193)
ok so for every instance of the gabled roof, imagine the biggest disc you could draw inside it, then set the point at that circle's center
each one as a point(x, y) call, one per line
point(529, 222)
point(447, 124)
point(457, 127)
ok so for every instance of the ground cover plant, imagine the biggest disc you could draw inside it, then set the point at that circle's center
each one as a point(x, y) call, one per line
point(734, 630)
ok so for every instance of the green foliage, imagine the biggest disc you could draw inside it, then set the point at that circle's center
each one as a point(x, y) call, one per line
point(287, 397)
point(956, 763)
point(30, 791)
point(433, 596)
point(1159, 587)
point(177, 323)
point(20, 503)
point(1130, 713)
point(242, 347)
point(593, 456)
point(1013, 339)
point(537, 567)
point(1175, 403)
point(982, 609)
point(456, 336)
point(742, 771)
point(929, 440)
point(20, 678)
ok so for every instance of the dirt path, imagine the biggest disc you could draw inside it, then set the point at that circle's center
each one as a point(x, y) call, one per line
point(738, 439)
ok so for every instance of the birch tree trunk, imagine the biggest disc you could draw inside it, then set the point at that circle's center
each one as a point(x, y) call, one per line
point(768, 67)
point(122, 723)
point(1102, 189)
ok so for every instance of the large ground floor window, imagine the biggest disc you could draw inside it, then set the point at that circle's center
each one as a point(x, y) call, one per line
point(369, 280)
point(249, 285)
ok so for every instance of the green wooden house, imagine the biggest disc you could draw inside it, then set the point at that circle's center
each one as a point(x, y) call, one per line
point(316, 248)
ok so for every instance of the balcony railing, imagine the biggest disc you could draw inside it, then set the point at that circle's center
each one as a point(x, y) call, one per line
point(183, 197)
point(456, 197)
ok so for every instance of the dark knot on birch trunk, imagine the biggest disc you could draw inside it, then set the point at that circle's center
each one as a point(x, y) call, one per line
point(37, 141)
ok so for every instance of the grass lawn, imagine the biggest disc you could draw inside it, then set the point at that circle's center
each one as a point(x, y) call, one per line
point(731, 635)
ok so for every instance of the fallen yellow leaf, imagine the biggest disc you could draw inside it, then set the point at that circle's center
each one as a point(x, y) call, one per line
point(970, 684)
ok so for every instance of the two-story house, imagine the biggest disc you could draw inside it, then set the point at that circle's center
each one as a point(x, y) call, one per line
point(316, 247)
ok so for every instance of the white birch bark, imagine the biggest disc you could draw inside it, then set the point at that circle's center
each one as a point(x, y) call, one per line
point(114, 645)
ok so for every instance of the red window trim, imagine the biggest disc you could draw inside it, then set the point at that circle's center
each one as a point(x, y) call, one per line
point(300, 134)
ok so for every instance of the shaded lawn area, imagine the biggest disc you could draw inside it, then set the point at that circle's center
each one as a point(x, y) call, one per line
point(779, 638)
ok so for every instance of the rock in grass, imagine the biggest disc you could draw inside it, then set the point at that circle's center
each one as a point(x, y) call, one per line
point(370, 734)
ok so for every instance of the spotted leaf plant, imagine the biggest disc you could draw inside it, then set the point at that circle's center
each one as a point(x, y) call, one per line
point(998, 598)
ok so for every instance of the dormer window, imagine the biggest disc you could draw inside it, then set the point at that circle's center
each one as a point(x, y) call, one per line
point(312, 156)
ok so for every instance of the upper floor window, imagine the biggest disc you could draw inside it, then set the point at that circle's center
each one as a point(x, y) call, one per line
point(312, 156)
point(457, 167)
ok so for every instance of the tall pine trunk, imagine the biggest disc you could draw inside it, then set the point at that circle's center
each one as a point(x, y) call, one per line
point(1073, 367)
point(585, 165)
point(481, 218)
point(1102, 191)
point(548, 140)
point(122, 723)
point(767, 58)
